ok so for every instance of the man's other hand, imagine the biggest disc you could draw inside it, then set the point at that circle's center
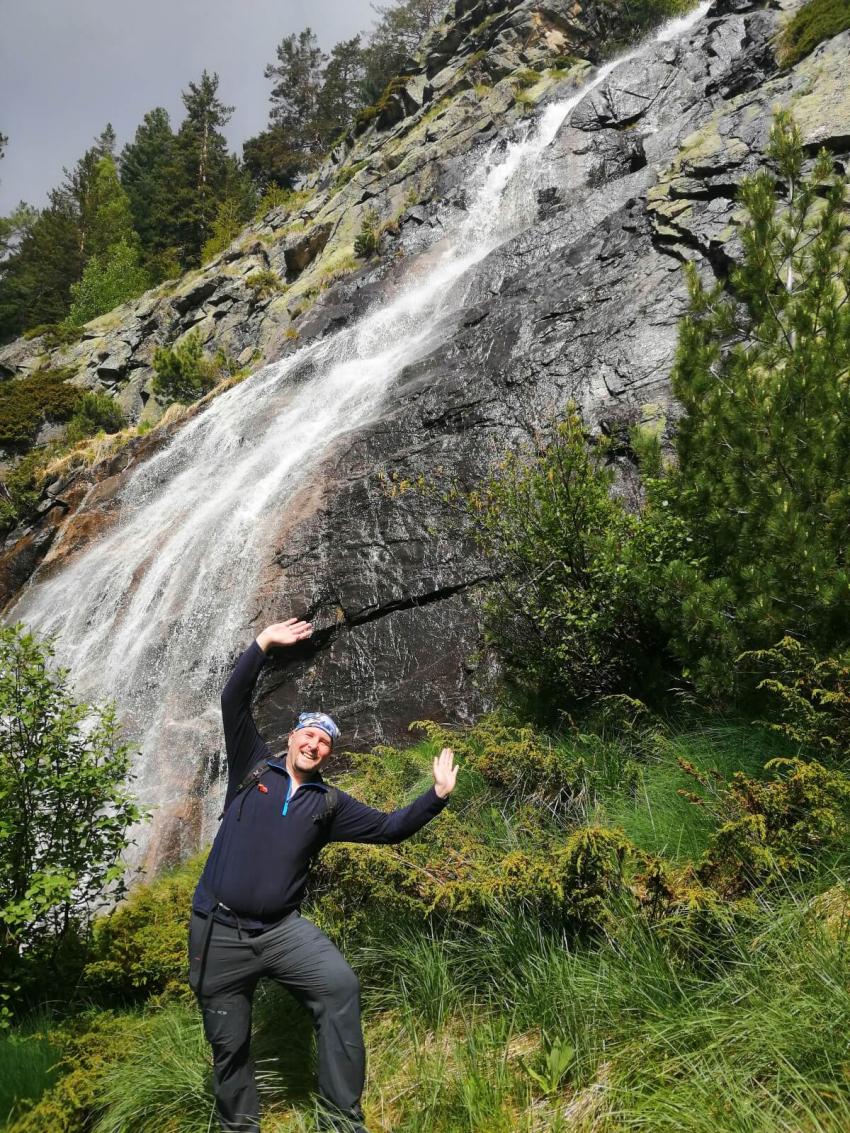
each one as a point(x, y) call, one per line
point(445, 772)
point(289, 632)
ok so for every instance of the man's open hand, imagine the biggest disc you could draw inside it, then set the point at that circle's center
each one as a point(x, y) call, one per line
point(289, 632)
point(445, 772)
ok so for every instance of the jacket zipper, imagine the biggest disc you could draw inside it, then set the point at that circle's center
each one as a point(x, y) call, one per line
point(317, 786)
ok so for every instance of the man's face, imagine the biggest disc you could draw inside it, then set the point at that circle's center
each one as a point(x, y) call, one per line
point(308, 749)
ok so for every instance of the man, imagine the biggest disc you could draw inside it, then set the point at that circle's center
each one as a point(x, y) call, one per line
point(246, 921)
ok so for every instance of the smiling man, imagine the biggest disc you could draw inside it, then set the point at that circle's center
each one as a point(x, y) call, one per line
point(246, 923)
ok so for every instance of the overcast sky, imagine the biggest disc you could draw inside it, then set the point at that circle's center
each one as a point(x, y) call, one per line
point(67, 67)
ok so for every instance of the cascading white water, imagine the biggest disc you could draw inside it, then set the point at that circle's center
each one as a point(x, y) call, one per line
point(149, 613)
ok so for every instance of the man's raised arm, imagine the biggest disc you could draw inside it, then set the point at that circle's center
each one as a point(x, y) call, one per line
point(244, 744)
point(356, 822)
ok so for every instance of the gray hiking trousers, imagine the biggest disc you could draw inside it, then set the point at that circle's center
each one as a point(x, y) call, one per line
point(300, 957)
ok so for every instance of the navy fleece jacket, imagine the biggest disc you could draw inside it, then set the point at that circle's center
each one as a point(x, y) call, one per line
point(259, 860)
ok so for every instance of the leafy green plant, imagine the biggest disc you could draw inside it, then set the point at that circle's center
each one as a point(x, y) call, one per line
point(566, 613)
point(139, 949)
point(524, 78)
point(813, 695)
point(108, 280)
point(28, 1058)
point(20, 492)
point(774, 828)
point(556, 1061)
point(66, 808)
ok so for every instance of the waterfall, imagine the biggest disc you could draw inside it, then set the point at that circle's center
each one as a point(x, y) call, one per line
point(150, 613)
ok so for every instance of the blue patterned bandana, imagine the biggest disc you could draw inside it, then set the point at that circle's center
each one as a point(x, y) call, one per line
point(318, 720)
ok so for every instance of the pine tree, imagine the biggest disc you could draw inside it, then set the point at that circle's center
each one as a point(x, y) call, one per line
point(149, 172)
point(205, 165)
point(394, 40)
point(763, 480)
point(36, 278)
point(108, 217)
point(340, 94)
point(294, 136)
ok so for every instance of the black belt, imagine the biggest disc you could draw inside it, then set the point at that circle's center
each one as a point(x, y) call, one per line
point(212, 919)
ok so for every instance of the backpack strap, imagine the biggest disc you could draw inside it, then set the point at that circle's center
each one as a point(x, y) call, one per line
point(256, 773)
point(331, 807)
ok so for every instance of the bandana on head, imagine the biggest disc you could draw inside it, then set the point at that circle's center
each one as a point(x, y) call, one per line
point(318, 720)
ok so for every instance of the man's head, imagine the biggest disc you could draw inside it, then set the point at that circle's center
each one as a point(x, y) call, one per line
point(311, 742)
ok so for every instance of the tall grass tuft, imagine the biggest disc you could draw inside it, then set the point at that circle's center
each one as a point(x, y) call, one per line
point(163, 1085)
point(28, 1066)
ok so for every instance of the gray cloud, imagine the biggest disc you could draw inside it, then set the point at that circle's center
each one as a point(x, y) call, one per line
point(67, 67)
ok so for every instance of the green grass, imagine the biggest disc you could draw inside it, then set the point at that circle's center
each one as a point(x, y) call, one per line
point(655, 816)
point(684, 1024)
point(28, 1058)
point(815, 22)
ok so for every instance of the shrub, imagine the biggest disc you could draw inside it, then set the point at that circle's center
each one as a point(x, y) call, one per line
point(566, 613)
point(20, 492)
point(368, 241)
point(108, 280)
point(95, 411)
point(775, 828)
point(264, 282)
point(66, 809)
point(92, 1043)
point(139, 949)
point(514, 758)
point(56, 335)
point(183, 372)
point(813, 695)
point(764, 445)
point(26, 403)
point(524, 78)
point(346, 172)
point(812, 24)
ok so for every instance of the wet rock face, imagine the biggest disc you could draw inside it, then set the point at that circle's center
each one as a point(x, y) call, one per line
point(581, 306)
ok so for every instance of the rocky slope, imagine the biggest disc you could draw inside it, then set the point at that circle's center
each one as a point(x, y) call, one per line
point(582, 305)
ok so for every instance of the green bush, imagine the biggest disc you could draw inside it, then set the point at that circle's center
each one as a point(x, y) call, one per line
point(813, 695)
point(27, 403)
point(95, 411)
point(775, 829)
point(764, 444)
point(66, 809)
point(264, 282)
point(28, 1058)
point(524, 78)
point(367, 243)
point(345, 173)
point(108, 280)
point(56, 335)
point(523, 765)
point(139, 949)
point(92, 1043)
point(20, 492)
point(183, 372)
point(566, 614)
point(812, 24)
